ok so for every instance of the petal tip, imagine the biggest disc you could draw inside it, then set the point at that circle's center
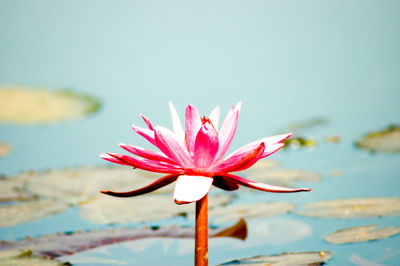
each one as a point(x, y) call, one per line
point(104, 155)
point(179, 202)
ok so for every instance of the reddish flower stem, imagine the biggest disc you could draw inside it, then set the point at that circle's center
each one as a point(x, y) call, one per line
point(201, 237)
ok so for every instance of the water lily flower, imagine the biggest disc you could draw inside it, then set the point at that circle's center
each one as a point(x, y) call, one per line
point(194, 156)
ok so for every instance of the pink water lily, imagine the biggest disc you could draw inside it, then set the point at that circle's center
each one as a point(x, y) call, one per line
point(193, 156)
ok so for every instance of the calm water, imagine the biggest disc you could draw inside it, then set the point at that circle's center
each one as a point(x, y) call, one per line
point(287, 61)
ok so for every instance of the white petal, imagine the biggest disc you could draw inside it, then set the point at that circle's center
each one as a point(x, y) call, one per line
point(190, 188)
point(176, 122)
point(214, 117)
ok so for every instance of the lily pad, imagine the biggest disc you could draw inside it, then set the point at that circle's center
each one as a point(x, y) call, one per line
point(62, 244)
point(361, 234)
point(109, 210)
point(352, 208)
point(75, 184)
point(332, 139)
point(309, 123)
point(286, 258)
point(28, 211)
point(250, 210)
point(25, 258)
point(25, 105)
point(265, 164)
point(5, 149)
point(283, 177)
point(299, 142)
point(14, 189)
point(385, 141)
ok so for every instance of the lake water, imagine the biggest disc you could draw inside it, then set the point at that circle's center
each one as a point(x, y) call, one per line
point(287, 61)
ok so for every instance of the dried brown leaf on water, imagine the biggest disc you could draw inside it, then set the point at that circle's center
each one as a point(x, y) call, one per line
point(27, 105)
point(62, 244)
point(283, 177)
point(13, 214)
point(351, 208)
point(384, 141)
point(108, 210)
point(361, 234)
point(5, 149)
point(25, 258)
point(286, 258)
point(249, 210)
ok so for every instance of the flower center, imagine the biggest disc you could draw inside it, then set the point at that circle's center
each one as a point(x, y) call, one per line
point(204, 120)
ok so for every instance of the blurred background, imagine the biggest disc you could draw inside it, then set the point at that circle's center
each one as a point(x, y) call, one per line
point(292, 63)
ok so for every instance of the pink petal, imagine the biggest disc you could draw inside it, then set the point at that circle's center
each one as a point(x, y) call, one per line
point(268, 141)
point(272, 149)
point(239, 161)
point(192, 126)
point(148, 165)
point(145, 133)
point(148, 122)
point(206, 146)
point(214, 117)
point(112, 159)
point(173, 147)
point(161, 182)
point(263, 187)
point(189, 188)
point(227, 131)
point(176, 122)
point(148, 154)
point(224, 183)
point(269, 151)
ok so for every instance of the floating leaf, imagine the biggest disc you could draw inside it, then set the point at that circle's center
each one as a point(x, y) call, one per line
point(5, 149)
point(265, 164)
point(361, 234)
point(81, 186)
point(286, 258)
point(283, 177)
point(336, 173)
point(108, 210)
point(250, 210)
point(28, 211)
point(308, 124)
point(74, 184)
point(25, 105)
point(352, 208)
point(14, 189)
point(385, 141)
point(298, 142)
point(25, 258)
point(332, 139)
point(62, 244)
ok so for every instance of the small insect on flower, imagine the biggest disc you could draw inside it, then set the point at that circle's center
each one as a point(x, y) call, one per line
point(194, 156)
